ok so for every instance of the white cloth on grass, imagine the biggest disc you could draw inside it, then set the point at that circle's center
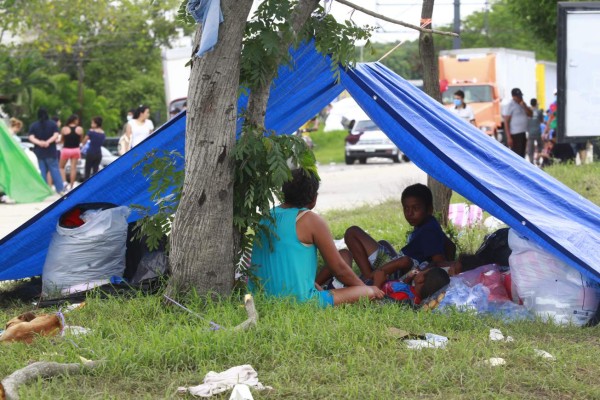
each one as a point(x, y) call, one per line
point(219, 382)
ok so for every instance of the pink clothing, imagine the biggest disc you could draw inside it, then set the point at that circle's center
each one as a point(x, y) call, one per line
point(67, 153)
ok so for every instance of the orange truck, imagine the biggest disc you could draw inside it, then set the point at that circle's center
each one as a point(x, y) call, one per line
point(487, 76)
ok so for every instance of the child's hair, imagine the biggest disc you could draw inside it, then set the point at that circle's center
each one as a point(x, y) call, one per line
point(435, 279)
point(419, 191)
point(98, 121)
point(16, 123)
point(460, 94)
point(302, 189)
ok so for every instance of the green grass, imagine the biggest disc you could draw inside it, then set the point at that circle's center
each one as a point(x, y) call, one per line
point(329, 146)
point(309, 353)
point(584, 179)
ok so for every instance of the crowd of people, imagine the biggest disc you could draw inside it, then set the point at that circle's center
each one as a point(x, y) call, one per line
point(528, 130)
point(56, 146)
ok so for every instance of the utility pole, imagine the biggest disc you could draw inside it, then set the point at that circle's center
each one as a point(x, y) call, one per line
point(80, 75)
point(456, 40)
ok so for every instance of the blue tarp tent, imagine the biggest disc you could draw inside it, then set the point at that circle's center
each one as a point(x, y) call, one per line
point(453, 152)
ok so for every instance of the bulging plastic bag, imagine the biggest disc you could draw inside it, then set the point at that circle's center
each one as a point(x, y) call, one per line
point(465, 297)
point(92, 252)
point(548, 286)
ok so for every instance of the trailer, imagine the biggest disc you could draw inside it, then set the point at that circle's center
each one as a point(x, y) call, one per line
point(487, 76)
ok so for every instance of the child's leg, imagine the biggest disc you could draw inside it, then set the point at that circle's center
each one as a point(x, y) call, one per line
point(354, 293)
point(325, 273)
point(361, 246)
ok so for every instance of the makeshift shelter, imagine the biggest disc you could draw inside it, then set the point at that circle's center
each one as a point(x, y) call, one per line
point(455, 153)
point(19, 178)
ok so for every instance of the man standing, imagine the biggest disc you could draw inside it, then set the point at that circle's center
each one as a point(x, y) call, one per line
point(461, 109)
point(534, 140)
point(44, 134)
point(515, 122)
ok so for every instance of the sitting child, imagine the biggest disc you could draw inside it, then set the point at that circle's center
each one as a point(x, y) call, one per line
point(288, 267)
point(424, 284)
point(427, 242)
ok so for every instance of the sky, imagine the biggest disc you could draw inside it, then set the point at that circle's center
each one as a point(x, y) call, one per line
point(403, 10)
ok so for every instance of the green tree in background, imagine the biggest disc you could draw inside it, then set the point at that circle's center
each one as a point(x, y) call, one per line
point(18, 77)
point(404, 60)
point(539, 16)
point(63, 102)
point(502, 27)
point(516, 24)
point(110, 47)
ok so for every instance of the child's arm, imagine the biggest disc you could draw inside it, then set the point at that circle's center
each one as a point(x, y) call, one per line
point(381, 275)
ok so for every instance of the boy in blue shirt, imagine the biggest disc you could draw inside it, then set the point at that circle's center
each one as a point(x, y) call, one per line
point(427, 242)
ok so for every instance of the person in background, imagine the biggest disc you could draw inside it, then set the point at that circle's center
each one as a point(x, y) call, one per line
point(71, 139)
point(125, 140)
point(534, 140)
point(93, 156)
point(515, 122)
point(461, 109)
point(43, 134)
point(15, 126)
point(140, 127)
point(59, 146)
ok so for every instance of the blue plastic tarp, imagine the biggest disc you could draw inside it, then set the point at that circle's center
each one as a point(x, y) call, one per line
point(481, 169)
point(452, 151)
point(298, 94)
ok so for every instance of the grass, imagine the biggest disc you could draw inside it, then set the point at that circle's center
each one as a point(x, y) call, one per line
point(308, 353)
point(304, 352)
point(329, 146)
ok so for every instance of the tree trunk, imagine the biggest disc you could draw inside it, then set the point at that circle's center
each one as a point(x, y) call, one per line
point(429, 60)
point(202, 249)
point(257, 102)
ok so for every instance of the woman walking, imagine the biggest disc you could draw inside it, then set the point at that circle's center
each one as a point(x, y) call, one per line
point(93, 156)
point(140, 127)
point(71, 139)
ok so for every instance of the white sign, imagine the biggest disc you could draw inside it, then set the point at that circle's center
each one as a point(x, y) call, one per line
point(582, 74)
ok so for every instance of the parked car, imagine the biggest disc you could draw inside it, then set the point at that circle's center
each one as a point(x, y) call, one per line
point(107, 158)
point(112, 144)
point(366, 140)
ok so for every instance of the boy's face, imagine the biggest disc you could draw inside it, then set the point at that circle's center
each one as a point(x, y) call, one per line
point(419, 281)
point(415, 211)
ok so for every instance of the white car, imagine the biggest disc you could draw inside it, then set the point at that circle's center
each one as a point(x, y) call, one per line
point(366, 140)
point(107, 158)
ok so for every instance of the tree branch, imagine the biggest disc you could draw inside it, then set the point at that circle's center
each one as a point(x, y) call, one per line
point(395, 21)
point(252, 315)
point(40, 369)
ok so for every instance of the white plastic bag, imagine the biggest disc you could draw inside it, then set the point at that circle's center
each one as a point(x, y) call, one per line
point(548, 286)
point(94, 251)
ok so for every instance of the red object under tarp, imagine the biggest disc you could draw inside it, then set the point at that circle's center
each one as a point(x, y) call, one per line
point(72, 219)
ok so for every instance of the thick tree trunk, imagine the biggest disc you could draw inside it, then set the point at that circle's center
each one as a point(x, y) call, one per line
point(429, 60)
point(202, 248)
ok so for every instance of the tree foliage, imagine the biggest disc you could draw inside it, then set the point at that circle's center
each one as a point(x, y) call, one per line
point(113, 47)
point(506, 24)
point(539, 16)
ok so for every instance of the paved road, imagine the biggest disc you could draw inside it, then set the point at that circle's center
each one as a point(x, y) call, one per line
point(342, 186)
point(346, 186)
